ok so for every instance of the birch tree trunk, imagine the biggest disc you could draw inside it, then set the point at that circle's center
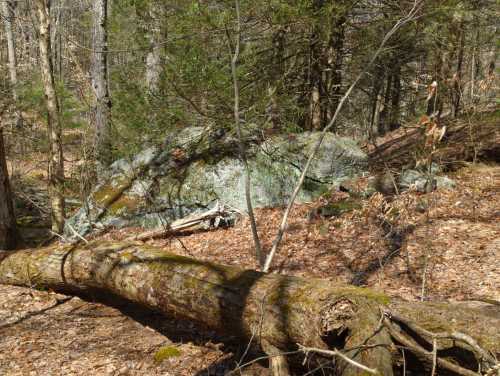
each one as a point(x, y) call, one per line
point(315, 107)
point(7, 15)
point(156, 37)
point(335, 64)
point(8, 232)
point(99, 73)
point(457, 90)
point(56, 162)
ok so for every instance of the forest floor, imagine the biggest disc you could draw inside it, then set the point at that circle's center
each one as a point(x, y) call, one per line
point(451, 251)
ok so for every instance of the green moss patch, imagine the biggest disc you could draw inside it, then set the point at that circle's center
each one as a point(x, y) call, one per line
point(166, 352)
point(368, 293)
point(336, 209)
point(123, 205)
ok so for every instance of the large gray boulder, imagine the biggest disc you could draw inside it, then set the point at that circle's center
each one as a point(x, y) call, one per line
point(195, 169)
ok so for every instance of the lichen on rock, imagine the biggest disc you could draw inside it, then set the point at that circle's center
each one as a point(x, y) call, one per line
point(190, 172)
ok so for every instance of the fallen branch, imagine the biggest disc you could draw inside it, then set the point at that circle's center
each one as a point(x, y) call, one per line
point(192, 222)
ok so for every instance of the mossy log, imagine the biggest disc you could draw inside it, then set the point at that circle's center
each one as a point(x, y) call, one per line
point(275, 312)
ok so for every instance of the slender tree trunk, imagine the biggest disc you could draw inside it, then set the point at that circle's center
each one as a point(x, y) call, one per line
point(383, 121)
point(315, 105)
point(56, 164)
point(55, 36)
point(315, 77)
point(335, 63)
point(156, 36)
point(457, 77)
point(376, 101)
point(7, 15)
point(241, 143)
point(8, 231)
point(395, 98)
point(275, 76)
point(99, 73)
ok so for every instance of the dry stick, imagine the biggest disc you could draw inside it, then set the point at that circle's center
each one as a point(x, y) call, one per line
point(404, 362)
point(427, 223)
point(410, 16)
point(424, 276)
point(265, 357)
point(337, 353)
point(76, 233)
point(241, 146)
point(434, 356)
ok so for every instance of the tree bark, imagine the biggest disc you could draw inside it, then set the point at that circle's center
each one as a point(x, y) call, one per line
point(395, 98)
point(99, 73)
point(56, 163)
point(276, 311)
point(376, 101)
point(382, 126)
point(275, 82)
point(335, 64)
point(457, 90)
point(156, 36)
point(7, 15)
point(315, 76)
point(8, 231)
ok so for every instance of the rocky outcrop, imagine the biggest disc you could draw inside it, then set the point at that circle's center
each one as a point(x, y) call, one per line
point(424, 182)
point(195, 169)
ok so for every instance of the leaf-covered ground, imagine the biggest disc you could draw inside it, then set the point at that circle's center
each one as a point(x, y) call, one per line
point(451, 241)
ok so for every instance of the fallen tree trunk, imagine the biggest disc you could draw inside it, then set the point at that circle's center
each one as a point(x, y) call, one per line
point(466, 139)
point(274, 312)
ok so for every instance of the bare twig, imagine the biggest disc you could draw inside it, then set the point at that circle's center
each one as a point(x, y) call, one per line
point(337, 353)
point(424, 277)
point(233, 372)
point(404, 362)
point(403, 21)
point(55, 234)
point(76, 233)
point(434, 356)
